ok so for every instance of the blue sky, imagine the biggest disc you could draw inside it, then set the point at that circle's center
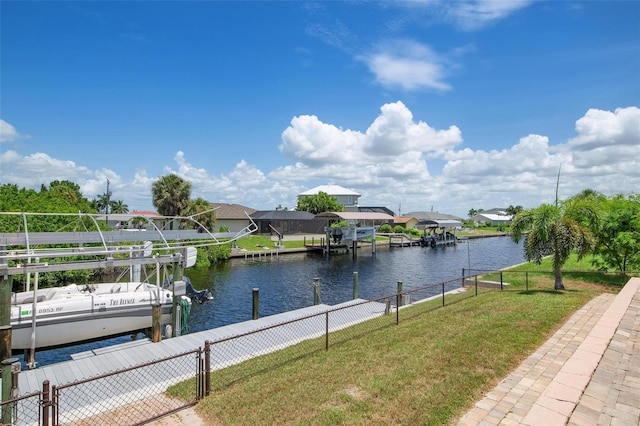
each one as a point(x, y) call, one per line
point(415, 105)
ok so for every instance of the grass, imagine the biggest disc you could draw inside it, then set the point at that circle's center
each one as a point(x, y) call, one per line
point(259, 243)
point(429, 369)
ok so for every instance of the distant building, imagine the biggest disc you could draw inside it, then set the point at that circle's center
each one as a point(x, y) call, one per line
point(346, 197)
point(491, 219)
point(233, 217)
point(407, 222)
point(424, 218)
point(432, 216)
point(285, 222)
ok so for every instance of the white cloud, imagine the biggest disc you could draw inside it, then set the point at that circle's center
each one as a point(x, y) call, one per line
point(393, 141)
point(8, 133)
point(38, 168)
point(476, 14)
point(387, 163)
point(607, 144)
point(407, 65)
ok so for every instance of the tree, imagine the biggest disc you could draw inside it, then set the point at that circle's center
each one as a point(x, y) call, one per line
point(171, 195)
point(203, 212)
point(618, 237)
point(514, 210)
point(319, 203)
point(557, 230)
point(102, 202)
point(118, 207)
point(472, 212)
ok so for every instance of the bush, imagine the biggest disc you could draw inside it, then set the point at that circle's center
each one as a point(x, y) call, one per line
point(385, 229)
point(413, 232)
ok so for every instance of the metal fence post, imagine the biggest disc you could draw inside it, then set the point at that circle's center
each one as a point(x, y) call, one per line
point(398, 298)
point(476, 285)
point(207, 368)
point(500, 280)
point(201, 375)
point(326, 333)
point(46, 403)
point(442, 294)
point(54, 406)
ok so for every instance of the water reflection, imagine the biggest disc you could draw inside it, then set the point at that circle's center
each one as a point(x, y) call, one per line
point(286, 281)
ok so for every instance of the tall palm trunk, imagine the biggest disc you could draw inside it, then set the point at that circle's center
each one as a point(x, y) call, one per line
point(557, 272)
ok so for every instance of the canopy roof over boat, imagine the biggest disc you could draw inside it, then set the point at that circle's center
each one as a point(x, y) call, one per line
point(357, 216)
point(440, 223)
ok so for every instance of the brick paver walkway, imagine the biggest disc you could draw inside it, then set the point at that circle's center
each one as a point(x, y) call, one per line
point(587, 373)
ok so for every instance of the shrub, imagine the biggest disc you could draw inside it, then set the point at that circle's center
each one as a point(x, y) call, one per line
point(385, 229)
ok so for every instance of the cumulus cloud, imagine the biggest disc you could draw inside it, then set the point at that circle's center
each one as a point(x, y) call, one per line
point(8, 133)
point(407, 65)
point(35, 169)
point(607, 143)
point(393, 144)
point(387, 163)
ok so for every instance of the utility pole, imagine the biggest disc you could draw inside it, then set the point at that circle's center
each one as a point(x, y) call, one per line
point(107, 206)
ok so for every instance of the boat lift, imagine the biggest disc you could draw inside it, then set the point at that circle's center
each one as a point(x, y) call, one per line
point(22, 252)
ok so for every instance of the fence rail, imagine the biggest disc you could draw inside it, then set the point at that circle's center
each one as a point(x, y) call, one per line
point(137, 395)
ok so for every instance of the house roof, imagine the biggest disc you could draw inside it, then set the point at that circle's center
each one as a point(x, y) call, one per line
point(282, 215)
point(403, 219)
point(231, 211)
point(440, 223)
point(432, 216)
point(492, 217)
point(328, 189)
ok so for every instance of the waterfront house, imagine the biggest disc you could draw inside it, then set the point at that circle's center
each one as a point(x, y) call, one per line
point(346, 197)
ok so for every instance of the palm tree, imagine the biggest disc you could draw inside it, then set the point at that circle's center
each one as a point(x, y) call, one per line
point(202, 211)
point(171, 195)
point(557, 230)
point(118, 207)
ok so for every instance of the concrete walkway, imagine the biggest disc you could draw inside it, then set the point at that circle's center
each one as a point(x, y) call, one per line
point(587, 373)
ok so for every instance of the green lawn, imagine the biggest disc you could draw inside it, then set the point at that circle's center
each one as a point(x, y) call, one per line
point(429, 369)
point(260, 243)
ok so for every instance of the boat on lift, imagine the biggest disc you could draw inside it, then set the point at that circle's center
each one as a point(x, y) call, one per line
point(80, 313)
point(75, 313)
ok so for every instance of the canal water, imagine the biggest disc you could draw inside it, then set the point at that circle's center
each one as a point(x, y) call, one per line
point(285, 282)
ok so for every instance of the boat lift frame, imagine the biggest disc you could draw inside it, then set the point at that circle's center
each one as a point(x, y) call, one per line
point(19, 253)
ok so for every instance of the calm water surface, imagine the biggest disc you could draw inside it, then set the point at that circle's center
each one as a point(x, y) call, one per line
point(286, 281)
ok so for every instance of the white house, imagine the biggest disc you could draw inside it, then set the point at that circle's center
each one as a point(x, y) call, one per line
point(346, 197)
point(492, 219)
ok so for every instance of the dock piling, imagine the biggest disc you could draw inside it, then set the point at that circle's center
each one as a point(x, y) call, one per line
point(316, 291)
point(256, 303)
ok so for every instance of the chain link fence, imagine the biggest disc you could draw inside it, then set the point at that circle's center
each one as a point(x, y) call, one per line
point(129, 396)
point(22, 410)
